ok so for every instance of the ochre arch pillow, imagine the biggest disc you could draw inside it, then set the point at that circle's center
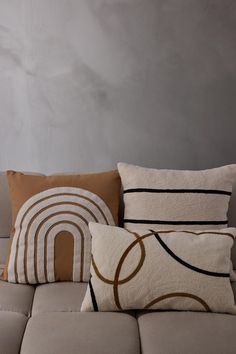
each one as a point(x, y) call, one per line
point(50, 239)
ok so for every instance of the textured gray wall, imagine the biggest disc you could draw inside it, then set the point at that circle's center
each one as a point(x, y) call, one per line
point(87, 83)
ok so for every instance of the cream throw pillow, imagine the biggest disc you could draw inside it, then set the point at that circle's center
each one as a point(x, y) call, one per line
point(164, 199)
point(162, 270)
point(178, 199)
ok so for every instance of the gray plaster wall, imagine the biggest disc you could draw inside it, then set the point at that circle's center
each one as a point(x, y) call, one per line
point(87, 83)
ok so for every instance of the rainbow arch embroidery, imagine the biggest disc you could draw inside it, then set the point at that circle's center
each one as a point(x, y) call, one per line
point(40, 219)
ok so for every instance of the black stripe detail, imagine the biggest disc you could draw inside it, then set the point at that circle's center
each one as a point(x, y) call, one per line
point(153, 190)
point(93, 297)
point(171, 222)
point(4, 237)
point(181, 261)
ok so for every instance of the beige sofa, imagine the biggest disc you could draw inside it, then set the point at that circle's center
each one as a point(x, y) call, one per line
point(46, 319)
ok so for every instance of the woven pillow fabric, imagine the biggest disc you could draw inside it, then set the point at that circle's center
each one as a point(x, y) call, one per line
point(161, 270)
point(164, 199)
point(50, 239)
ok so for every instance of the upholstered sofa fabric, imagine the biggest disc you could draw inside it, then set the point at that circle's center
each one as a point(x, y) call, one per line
point(31, 322)
point(50, 237)
point(185, 333)
point(12, 327)
point(16, 302)
point(164, 199)
point(165, 270)
point(74, 332)
point(61, 297)
point(16, 298)
point(46, 319)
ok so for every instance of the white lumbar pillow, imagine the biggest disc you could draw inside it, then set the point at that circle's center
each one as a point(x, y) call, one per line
point(161, 270)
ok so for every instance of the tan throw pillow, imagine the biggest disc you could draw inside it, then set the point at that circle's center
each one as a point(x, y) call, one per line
point(164, 199)
point(50, 239)
point(162, 270)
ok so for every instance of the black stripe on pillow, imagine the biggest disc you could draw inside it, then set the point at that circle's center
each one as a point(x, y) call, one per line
point(171, 222)
point(153, 190)
point(93, 297)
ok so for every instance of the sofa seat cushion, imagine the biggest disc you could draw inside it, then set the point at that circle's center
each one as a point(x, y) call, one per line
point(186, 332)
point(58, 297)
point(87, 333)
point(12, 327)
point(16, 297)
